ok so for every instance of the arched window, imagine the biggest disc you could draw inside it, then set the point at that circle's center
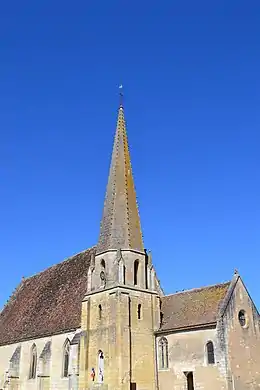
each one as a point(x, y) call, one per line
point(66, 357)
point(14, 366)
point(139, 311)
point(103, 265)
point(210, 352)
point(136, 265)
point(242, 318)
point(33, 362)
point(163, 353)
point(100, 312)
point(100, 366)
point(45, 360)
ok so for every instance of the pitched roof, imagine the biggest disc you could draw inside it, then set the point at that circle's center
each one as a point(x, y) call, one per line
point(192, 308)
point(47, 303)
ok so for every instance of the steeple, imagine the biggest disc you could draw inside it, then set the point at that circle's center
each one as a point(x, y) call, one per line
point(120, 225)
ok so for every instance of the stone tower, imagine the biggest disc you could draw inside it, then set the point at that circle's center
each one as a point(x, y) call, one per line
point(121, 309)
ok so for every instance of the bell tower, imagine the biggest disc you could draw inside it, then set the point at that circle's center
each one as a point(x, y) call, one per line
point(121, 309)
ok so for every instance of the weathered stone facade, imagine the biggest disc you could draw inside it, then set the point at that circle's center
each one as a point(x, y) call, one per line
point(48, 371)
point(236, 347)
point(243, 342)
point(100, 319)
point(120, 319)
point(187, 353)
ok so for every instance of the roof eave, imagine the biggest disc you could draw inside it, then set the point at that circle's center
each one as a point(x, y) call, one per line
point(41, 336)
point(208, 325)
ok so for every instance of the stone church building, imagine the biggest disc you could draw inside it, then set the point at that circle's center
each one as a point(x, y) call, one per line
point(100, 319)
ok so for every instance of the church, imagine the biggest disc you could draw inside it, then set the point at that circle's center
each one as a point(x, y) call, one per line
point(100, 319)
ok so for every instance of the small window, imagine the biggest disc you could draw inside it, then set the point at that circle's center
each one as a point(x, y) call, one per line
point(136, 265)
point(33, 362)
point(161, 318)
point(242, 318)
point(139, 311)
point(78, 358)
point(124, 274)
point(190, 381)
point(66, 356)
point(210, 352)
point(163, 353)
point(103, 272)
point(100, 312)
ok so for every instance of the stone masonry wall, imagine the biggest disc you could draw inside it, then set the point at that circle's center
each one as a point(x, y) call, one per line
point(243, 343)
point(187, 352)
point(126, 341)
point(55, 382)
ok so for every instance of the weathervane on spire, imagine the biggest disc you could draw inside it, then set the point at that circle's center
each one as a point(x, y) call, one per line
point(121, 95)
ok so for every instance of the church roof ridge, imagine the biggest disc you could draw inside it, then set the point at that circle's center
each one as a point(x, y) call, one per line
point(13, 294)
point(36, 309)
point(24, 278)
point(194, 307)
point(223, 284)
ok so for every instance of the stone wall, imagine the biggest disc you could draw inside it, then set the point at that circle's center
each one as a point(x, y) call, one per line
point(243, 342)
point(187, 353)
point(55, 381)
point(126, 340)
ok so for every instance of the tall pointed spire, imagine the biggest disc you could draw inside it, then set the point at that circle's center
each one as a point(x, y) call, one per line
point(120, 225)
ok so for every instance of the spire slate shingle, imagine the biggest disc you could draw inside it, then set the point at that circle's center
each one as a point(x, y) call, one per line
point(120, 225)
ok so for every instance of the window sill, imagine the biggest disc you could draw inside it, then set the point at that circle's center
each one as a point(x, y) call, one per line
point(43, 376)
point(163, 369)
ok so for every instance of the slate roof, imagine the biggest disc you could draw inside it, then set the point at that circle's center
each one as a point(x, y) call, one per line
point(47, 303)
point(192, 308)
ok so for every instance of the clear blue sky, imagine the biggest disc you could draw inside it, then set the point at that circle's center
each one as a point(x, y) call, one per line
point(192, 85)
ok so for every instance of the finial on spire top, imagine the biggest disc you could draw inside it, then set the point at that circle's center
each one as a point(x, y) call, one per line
point(121, 95)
